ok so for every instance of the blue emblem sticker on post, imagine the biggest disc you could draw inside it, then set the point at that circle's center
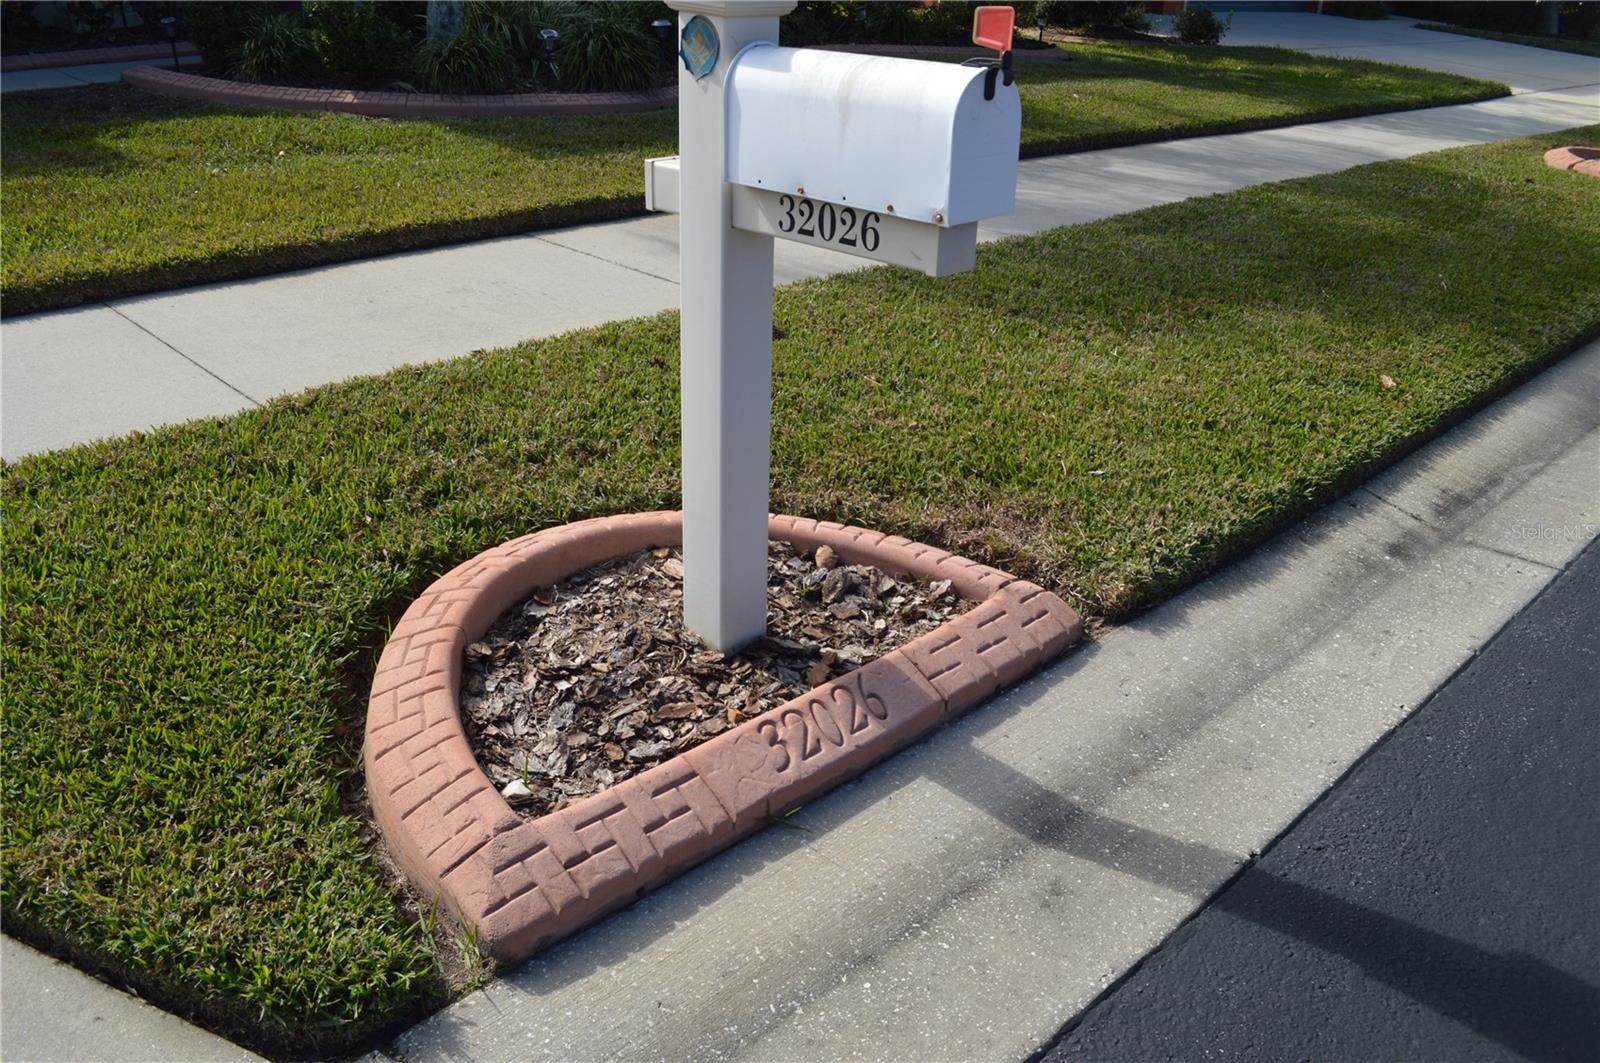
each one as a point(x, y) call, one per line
point(700, 46)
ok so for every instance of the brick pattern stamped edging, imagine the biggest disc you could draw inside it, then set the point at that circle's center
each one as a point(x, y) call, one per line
point(522, 884)
point(376, 104)
point(1579, 160)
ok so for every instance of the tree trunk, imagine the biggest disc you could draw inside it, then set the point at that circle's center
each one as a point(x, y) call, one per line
point(444, 20)
point(1550, 18)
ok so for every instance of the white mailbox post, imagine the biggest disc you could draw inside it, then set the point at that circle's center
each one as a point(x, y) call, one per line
point(894, 160)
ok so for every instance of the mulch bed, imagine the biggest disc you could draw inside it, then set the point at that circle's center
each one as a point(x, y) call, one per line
point(596, 679)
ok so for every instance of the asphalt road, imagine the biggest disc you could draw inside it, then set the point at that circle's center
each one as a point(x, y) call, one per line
point(1441, 902)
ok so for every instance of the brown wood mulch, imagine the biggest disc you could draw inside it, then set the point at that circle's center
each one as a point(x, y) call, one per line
point(596, 679)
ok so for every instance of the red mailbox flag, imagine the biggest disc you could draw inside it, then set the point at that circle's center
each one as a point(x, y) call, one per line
point(992, 27)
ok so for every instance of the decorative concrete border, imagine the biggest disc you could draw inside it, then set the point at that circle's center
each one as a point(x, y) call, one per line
point(128, 53)
point(168, 82)
point(1580, 160)
point(523, 884)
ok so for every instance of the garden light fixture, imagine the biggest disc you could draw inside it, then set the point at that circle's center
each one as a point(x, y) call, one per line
point(549, 38)
point(663, 28)
point(169, 29)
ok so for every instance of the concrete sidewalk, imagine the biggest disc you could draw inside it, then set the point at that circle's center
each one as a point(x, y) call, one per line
point(968, 897)
point(50, 1011)
point(75, 375)
point(71, 77)
point(1397, 40)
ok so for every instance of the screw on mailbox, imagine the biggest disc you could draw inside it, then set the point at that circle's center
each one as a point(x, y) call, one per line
point(754, 117)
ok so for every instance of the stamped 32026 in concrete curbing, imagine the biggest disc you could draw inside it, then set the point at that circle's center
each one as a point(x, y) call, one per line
point(522, 884)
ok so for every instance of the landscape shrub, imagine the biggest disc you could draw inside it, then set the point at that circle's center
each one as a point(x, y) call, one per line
point(643, 12)
point(948, 22)
point(17, 16)
point(605, 51)
point(1198, 25)
point(356, 44)
point(478, 59)
point(888, 24)
point(603, 47)
point(519, 23)
point(219, 30)
point(278, 48)
point(1581, 20)
point(812, 22)
point(1096, 18)
point(89, 16)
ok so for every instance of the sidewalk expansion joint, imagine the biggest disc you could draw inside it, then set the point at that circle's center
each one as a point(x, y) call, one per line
point(180, 354)
point(1502, 552)
point(1366, 489)
point(1562, 88)
point(1512, 555)
point(602, 258)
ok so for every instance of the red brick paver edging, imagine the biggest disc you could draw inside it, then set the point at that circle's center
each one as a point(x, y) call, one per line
point(130, 53)
point(375, 104)
point(522, 884)
point(1580, 160)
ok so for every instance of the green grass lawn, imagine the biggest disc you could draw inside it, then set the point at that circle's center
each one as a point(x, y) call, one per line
point(109, 192)
point(191, 615)
point(1558, 44)
point(1131, 93)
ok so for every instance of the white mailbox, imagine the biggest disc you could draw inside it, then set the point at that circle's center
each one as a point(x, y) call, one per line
point(895, 160)
point(890, 159)
point(906, 137)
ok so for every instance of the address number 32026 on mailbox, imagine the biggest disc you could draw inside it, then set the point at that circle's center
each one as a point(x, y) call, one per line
point(895, 160)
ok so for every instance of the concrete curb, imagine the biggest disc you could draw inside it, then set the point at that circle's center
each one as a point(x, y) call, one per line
point(86, 56)
point(393, 104)
point(521, 885)
point(1580, 160)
